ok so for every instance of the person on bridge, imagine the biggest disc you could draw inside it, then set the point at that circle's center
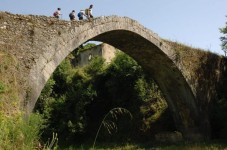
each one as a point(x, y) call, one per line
point(57, 13)
point(88, 12)
point(81, 14)
point(72, 15)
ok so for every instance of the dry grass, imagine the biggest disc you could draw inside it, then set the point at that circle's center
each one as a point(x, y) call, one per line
point(198, 66)
point(8, 83)
point(188, 56)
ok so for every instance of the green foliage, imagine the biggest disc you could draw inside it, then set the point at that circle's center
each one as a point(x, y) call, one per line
point(123, 65)
point(145, 96)
point(87, 46)
point(75, 100)
point(46, 99)
point(154, 102)
point(224, 38)
point(65, 97)
point(147, 90)
point(96, 67)
point(82, 48)
point(62, 76)
point(19, 133)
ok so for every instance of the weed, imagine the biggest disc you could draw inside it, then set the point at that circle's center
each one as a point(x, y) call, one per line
point(110, 125)
point(52, 144)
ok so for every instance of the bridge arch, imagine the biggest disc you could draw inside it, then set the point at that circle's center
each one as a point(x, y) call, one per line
point(156, 57)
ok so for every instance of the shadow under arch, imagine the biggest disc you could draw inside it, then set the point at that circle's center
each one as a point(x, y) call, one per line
point(142, 45)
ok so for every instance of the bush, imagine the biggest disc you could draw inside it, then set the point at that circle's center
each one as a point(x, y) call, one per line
point(19, 133)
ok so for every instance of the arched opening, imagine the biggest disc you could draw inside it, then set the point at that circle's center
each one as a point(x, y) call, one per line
point(83, 97)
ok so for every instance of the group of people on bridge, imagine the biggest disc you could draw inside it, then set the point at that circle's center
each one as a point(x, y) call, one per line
point(72, 16)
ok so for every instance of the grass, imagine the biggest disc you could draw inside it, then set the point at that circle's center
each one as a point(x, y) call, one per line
point(193, 146)
point(18, 133)
point(8, 84)
point(153, 146)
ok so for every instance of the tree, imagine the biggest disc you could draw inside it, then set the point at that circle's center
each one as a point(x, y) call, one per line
point(224, 38)
point(75, 101)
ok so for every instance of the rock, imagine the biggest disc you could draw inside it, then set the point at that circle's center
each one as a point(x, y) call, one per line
point(3, 27)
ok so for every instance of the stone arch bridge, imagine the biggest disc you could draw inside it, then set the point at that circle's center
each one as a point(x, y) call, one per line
point(40, 43)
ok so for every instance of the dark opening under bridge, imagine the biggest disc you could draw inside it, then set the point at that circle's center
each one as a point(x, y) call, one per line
point(40, 43)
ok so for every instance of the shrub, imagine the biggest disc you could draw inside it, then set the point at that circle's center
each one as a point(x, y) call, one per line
point(20, 133)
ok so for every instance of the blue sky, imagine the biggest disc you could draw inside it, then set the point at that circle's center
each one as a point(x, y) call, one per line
point(192, 22)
